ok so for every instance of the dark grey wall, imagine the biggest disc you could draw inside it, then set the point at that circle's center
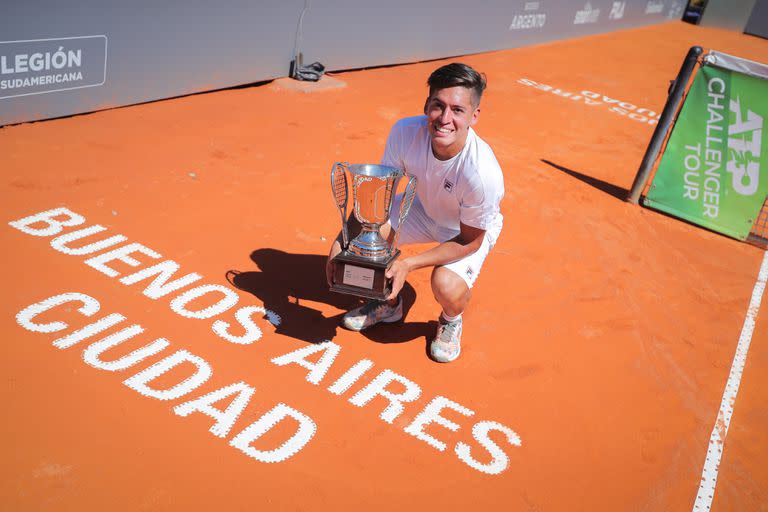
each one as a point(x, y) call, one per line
point(757, 24)
point(120, 53)
point(155, 49)
point(368, 33)
point(728, 14)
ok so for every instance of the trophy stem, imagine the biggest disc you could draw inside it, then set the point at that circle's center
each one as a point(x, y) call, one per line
point(369, 243)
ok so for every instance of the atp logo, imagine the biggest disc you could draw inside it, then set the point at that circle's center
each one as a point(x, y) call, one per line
point(745, 134)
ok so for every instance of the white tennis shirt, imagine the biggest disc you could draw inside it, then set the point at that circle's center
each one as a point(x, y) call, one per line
point(466, 188)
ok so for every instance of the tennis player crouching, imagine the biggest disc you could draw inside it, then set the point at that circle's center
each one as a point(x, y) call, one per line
point(460, 185)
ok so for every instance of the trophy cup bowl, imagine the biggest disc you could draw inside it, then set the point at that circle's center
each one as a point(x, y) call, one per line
point(360, 268)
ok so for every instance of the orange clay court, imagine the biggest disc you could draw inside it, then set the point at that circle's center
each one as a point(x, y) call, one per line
point(595, 351)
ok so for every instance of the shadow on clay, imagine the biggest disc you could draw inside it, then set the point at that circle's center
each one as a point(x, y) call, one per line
point(608, 188)
point(288, 284)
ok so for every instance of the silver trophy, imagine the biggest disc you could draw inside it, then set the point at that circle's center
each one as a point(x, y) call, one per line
point(360, 268)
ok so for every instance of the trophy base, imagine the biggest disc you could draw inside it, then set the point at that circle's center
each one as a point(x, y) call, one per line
point(355, 275)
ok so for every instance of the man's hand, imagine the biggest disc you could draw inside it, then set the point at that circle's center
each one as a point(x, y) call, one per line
point(397, 272)
point(466, 242)
point(335, 249)
point(354, 228)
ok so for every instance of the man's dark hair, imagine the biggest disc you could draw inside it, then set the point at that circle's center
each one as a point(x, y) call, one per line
point(457, 74)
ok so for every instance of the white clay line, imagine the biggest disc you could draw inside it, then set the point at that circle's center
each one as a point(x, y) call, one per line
point(720, 430)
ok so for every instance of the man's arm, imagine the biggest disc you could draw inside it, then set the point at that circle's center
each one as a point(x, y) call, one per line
point(465, 243)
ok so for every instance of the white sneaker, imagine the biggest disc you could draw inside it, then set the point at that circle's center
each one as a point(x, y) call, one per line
point(372, 313)
point(446, 346)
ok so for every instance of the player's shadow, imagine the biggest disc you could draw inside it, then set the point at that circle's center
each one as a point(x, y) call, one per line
point(289, 284)
point(608, 188)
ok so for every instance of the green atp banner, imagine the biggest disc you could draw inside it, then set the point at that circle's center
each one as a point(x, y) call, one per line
point(714, 170)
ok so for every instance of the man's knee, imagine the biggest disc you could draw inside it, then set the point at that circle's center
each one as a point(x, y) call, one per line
point(449, 287)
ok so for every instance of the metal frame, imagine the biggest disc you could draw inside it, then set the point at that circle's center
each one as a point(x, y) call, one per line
point(667, 119)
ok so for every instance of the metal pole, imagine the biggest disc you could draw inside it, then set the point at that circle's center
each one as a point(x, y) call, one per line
point(665, 122)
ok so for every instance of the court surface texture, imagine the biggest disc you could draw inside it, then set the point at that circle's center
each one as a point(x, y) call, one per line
point(596, 351)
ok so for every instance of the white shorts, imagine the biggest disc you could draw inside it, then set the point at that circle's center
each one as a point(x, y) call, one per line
point(419, 228)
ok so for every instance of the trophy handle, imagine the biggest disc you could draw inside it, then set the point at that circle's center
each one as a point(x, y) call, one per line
point(340, 195)
point(405, 206)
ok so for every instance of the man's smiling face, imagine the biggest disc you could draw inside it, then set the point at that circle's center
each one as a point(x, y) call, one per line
point(450, 112)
